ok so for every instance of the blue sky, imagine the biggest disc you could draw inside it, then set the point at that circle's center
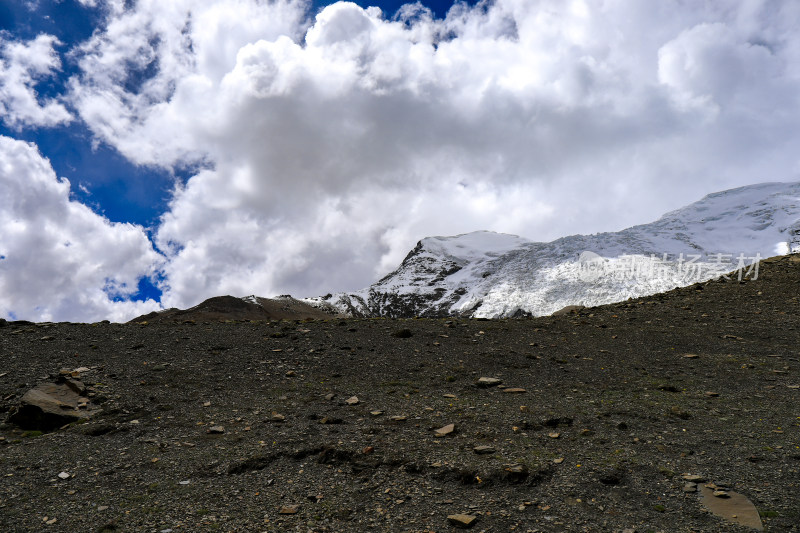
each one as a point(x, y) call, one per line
point(288, 147)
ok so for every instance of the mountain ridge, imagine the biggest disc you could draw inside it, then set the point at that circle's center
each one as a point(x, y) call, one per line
point(494, 275)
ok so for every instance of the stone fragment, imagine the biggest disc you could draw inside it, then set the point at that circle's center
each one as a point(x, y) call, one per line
point(216, 430)
point(486, 382)
point(462, 520)
point(352, 400)
point(483, 450)
point(445, 430)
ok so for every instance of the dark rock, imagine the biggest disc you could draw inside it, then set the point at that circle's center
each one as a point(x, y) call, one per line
point(49, 406)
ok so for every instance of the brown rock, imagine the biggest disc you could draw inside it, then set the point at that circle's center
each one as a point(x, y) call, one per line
point(462, 520)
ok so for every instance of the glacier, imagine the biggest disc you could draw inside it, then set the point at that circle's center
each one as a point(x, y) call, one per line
point(492, 275)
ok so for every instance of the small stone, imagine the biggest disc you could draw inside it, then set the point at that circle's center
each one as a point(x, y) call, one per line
point(376, 413)
point(694, 478)
point(558, 461)
point(691, 356)
point(554, 434)
point(289, 509)
point(721, 494)
point(514, 390)
point(516, 469)
point(445, 430)
point(398, 418)
point(291, 374)
point(449, 396)
point(277, 417)
point(712, 394)
point(102, 507)
point(51, 521)
point(330, 396)
point(352, 400)
point(489, 382)
point(216, 430)
point(368, 450)
point(483, 450)
point(63, 475)
point(462, 520)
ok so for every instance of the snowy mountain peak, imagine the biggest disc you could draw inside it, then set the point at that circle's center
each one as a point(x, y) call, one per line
point(487, 274)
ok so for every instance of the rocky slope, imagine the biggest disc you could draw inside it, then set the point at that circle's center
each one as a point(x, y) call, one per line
point(621, 417)
point(487, 274)
point(220, 308)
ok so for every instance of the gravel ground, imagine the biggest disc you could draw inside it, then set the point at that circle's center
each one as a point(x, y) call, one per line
point(342, 425)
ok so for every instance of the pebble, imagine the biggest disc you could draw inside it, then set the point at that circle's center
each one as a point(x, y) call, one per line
point(554, 435)
point(216, 430)
point(63, 475)
point(489, 382)
point(514, 390)
point(289, 509)
point(352, 400)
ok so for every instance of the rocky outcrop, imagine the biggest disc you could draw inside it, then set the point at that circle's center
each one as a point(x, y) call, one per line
point(49, 406)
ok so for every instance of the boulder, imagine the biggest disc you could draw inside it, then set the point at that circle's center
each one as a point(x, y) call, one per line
point(49, 406)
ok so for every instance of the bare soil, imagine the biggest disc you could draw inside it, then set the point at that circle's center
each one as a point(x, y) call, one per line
point(612, 415)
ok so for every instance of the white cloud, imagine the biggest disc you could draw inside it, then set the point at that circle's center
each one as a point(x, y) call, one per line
point(22, 66)
point(333, 143)
point(58, 259)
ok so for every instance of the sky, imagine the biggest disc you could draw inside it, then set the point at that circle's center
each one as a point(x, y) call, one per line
point(154, 154)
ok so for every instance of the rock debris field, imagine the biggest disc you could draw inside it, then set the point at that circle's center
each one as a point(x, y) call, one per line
point(676, 412)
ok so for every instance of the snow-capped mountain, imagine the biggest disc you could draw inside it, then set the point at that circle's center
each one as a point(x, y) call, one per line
point(486, 274)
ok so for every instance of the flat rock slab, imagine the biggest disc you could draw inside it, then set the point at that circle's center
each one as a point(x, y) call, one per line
point(49, 406)
point(445, 431)
point(486, 382)
point(462, 520)
point(735, 508)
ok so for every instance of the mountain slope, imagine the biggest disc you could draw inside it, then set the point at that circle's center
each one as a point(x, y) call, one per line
point(486, 274)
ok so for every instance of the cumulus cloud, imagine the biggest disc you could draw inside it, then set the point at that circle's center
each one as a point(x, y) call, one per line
point(58, 259)
point(330, 142)
point(22, 66)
